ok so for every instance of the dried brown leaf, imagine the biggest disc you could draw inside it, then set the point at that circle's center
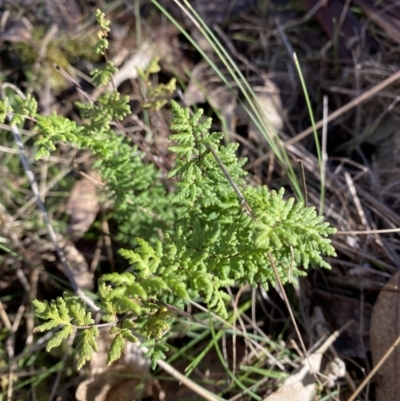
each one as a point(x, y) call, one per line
point(385, 328)
point(77, 263)
point(83, 205)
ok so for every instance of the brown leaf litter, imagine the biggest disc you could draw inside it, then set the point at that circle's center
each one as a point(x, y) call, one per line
point(385, 330)
point(83, 205)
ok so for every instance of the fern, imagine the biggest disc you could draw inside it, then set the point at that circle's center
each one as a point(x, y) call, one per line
point(69, 314)
point(212, 232)
point(212, 244)
point(157, 95)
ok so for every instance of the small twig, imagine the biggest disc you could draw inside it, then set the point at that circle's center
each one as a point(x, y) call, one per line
point(41, 53)
point(353, 103)
point(375, 369)
point(368, 232)
point(74, 81)
point(234, 329)
point(50, 230)
point(107, 242)
point(98, 325)
point(356, 200)
point(324, 154)
point(4, 317)
point(233, 50)
point(320, 327)
point(296, 328)
point(30, 318)
point(60, 371)
point(202, 392)
point(54, 181)
point(294, 22)
point(236, 315)
point(303, 181)
point(180, 312)
point(10, 344)
point(40, 343)
point(331, 117)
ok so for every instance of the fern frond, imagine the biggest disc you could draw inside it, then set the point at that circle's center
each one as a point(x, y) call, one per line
point(87, 345)
point(184, 244)
point(116, 348)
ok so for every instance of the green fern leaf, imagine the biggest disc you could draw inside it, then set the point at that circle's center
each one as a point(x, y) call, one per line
point(125, 304)
point(102, 76)
point(155, 353)
point(87, 345)
point(78, 311)
point(127, 334)
point(5, 110)
point(116, 349)
point(56, 313)
point(51, 324)
point(57, 338)
point(40, 308)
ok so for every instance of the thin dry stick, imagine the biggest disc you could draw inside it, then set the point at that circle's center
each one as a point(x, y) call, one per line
point(50, 230)
point(353, 103)
point(40, 344)
point(30, 318)
point(303, 20)
point(322, 331)
point(59, 373)
point(367, 232)
point(7, 229)
point(375, 369)
point(324, 153)
point(291, 314)
point(255, 387)
point(343, 16)
point(236, 315)
point(303, 181)
point(234, 52)
point(54, 181)
point(262, 334)
point(202, 392)
point(42, 53)
point(4, 317)
point(333, 337)
point(356, 200)
point(10, 346)
point(244, 335)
